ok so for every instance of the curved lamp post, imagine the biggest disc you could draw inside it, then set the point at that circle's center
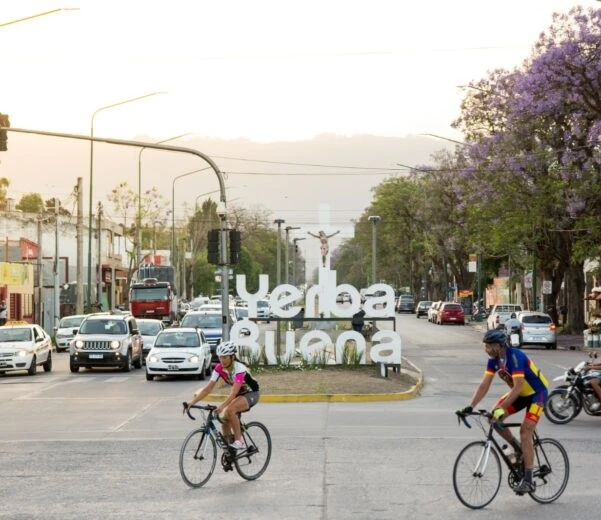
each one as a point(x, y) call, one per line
point(38, 15)
point(90, 210)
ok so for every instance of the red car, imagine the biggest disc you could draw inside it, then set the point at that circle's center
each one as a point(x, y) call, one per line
point(450, 313)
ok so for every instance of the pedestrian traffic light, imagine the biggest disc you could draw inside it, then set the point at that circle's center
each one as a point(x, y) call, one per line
point(234, 246)
point(4, 122)
point(213, 247)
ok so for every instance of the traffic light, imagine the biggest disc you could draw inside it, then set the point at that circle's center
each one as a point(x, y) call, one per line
point(234, 246)
point(4, 122)
point(296, 248)
point(213, 247)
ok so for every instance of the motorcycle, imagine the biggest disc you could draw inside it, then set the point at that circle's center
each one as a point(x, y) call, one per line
point(568, 400)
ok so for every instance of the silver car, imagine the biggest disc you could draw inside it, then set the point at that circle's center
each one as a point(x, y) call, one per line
point(149, 330)
point(64, 332)
point(537, 329)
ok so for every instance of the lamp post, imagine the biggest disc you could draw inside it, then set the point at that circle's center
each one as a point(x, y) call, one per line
point(139, 222)
point(279, 222)
point(90, 211)
point(295, 240)
point(374, 219)
point(38, 15)
point(288, 229)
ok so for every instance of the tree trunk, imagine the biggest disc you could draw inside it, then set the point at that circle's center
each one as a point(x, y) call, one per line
point(576, 286)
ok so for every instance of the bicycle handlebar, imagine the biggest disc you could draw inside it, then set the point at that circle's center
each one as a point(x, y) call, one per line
point(207, 407)
point(462, 416)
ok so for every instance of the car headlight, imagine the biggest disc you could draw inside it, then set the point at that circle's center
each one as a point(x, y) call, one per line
point(115, 345)
point(23, 353)
point(153, 359)
point(79, 344)
point(193, 359)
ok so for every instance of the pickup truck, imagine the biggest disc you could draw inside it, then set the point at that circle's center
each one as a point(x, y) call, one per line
point(500, 313)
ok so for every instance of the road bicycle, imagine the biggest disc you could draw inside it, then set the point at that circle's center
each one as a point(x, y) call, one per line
point(198, 454)
point(477, 471)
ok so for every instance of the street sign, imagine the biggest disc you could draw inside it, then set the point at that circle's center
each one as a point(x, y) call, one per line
point(472, 265)
point(547, 287)
point(528, 280)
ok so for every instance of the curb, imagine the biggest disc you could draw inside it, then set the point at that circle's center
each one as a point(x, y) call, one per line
point(339, 398)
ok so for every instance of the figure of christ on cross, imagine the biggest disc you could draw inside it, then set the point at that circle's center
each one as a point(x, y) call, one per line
point(324, 244)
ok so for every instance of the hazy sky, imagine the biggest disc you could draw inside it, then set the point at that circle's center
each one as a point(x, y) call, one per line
point(264, 70)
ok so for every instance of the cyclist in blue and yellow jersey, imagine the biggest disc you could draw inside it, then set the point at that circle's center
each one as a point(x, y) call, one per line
point(242, 397)
point(528, 391)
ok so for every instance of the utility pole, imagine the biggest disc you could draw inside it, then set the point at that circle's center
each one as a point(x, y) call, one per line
point(288, 229)
point(57, 292)
point(99, 281)
point(279, 222)
point(79, 303)
point(374, 219)
point(39, 314)
point(295, 240)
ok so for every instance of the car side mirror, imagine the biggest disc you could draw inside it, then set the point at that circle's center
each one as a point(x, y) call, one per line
point(75, 331)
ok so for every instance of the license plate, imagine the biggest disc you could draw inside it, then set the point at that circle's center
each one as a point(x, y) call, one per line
point(96, 356)
point(452, 319)
point(172, 367)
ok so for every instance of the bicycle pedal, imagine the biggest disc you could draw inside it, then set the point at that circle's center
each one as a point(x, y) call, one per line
point(227, 468)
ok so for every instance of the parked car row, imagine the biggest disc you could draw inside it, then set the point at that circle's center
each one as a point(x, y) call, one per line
point(441, 312)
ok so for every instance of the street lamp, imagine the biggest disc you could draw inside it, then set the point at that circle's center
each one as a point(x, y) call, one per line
point(288, 229)
point(38, 15)
point(90, 211)
point(374, 219)
point(154, 238)
point(279, 222)
point(139, 223)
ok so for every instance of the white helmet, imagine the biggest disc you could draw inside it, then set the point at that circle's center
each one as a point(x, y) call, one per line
point(227, 348)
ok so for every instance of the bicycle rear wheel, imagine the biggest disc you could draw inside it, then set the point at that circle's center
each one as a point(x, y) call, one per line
point(197, 458)
point(252, 462)
point(551, 470)
point(476, 481)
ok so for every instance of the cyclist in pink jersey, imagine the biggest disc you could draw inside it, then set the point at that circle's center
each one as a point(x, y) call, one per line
point(243, 396)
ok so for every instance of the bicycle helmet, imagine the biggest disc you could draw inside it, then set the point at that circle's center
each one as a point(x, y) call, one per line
point(494, 336)
point(227, 348)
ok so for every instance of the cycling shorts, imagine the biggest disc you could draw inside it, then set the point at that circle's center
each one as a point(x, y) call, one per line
point(252, 398)
point(534, 405)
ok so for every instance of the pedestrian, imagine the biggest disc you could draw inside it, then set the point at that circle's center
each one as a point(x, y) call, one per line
point(3, 313)
point(358, 320)
point(298, 319)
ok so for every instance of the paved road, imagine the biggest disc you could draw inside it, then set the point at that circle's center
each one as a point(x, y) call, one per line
point(104, 445)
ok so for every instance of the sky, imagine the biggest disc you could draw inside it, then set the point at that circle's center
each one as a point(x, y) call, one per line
point(265, 71)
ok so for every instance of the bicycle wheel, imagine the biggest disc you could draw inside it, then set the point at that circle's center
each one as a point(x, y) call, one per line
point(197, 458)
point(551, 470)
point(252, 462)
point(476, 481)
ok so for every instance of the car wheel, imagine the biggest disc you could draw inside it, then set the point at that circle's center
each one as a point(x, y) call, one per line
point(201, 375)
point(149, 377)
point(209, 370)
point(127, 366)
point(48, 364)
point(73, 366)
point(33, 368)
point(554, 346)
point(138, 362)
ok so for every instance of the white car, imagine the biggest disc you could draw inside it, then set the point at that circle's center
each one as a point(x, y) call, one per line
point(64, 332)
point(179, 351)
point(24, 346)
point(149, 330)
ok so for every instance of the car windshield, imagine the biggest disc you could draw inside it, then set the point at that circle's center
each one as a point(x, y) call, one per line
point(103, 327)
point(241, 313)
point(7, 334)
point(70, 323)
point(203, 321)
point(149, 293)
point(149, 328)
point(529, 320)
point(452, 307)
point(176, 339)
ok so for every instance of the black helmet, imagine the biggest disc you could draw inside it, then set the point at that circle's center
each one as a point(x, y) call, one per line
point(494, 336)
point(512, 315)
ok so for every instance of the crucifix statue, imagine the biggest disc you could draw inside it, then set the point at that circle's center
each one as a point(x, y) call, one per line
point(324, 245)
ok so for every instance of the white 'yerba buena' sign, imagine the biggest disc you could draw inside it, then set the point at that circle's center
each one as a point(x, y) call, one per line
point(386, 343)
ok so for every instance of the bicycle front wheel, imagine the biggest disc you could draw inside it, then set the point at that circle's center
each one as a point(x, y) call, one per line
point(476, 476)
point(551, 470)
point(197, 458)
point(252, 462)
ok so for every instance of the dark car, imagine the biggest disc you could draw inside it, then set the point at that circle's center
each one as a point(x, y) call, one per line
point(405, 303)
point(422, 308)
point(450, 313)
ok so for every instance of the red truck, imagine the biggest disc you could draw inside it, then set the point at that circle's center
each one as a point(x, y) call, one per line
point(153, 299)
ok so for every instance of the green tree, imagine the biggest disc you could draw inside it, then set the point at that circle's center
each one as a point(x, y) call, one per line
point(31, 203)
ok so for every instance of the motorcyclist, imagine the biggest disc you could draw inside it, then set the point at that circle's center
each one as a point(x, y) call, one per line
point(595, 384)
point(513, 325)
